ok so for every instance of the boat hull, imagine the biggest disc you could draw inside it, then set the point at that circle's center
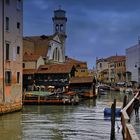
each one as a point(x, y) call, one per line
point(107, 112)
point(48, 102)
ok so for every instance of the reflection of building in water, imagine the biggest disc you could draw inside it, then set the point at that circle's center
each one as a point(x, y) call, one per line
point(10, 126)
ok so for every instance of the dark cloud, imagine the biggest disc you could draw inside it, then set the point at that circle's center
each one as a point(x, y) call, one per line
point(95, 28)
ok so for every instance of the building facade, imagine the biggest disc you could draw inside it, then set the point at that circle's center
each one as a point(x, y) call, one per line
point(51, 48)
point(111, 72)
point(81, 67)
point(56, 75)
point(101, 65)
point(111, 69)
point(117, 69)
point(120, 70)
point(133, 63)
point(31, 61)
point(82, 85)
point(11, 23)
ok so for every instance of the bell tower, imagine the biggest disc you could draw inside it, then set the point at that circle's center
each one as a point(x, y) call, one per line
point(59, 27)
point(59, 21)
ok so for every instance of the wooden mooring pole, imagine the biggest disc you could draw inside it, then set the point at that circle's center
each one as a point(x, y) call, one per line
point(125, 101)
point(113, 108)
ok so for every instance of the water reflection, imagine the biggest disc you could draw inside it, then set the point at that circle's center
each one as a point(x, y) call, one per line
point(84, 121)
point(10, 126)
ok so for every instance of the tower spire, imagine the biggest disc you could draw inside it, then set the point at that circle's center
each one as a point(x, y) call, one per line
point(59, 21)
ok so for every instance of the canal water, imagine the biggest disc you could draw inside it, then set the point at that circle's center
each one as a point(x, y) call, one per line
point(85, 121)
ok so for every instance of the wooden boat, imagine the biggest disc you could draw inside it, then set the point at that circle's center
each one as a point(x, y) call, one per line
point(87, 95)
point(104, 87)
point(48, 99)
point(102, 92)
point(129, 91)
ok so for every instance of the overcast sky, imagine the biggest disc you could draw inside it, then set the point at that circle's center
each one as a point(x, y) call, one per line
point(95, 28)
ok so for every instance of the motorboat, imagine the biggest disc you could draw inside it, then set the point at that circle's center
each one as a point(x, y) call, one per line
point(107, 112)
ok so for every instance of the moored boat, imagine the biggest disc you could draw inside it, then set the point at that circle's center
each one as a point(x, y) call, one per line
point(47, 98)
point(129, 91)
point(107, 110)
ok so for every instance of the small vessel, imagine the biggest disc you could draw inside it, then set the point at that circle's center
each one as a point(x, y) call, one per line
point(107, 110)
point(129, 91)
point(47, 98)
point(102, 92)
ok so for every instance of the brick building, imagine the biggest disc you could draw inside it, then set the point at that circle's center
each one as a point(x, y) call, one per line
point(11, 36)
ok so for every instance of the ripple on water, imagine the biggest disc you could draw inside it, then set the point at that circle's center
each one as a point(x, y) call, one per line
point(83, 122)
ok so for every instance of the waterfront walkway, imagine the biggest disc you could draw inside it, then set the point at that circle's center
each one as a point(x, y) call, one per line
point(135, 121)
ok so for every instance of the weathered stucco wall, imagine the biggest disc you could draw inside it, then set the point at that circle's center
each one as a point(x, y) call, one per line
point(1, 73)
point(13, 36)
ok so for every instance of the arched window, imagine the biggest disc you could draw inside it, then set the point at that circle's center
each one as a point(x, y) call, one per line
point(61, 27)
point(53, 55)
point(58, 55)
point(56, 52)
point(57, 27)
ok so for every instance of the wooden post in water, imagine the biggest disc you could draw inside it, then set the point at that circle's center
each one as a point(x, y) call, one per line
point(94, 87)
point(124, 101)
point(113, 108)
point(94, 91)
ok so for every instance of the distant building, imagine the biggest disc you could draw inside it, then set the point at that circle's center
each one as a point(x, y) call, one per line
point(59, 27)
point(104, 74)
point(58, 67)
point(51, 48)
point(11, 33)
point(56, 75)
point(133, 64)
point(111, 69)
point(91, 72)
point(32, 61)
point(83, 86)
point(120, 69)
point(116, 68)
point(81, 67)
point(101, 65)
